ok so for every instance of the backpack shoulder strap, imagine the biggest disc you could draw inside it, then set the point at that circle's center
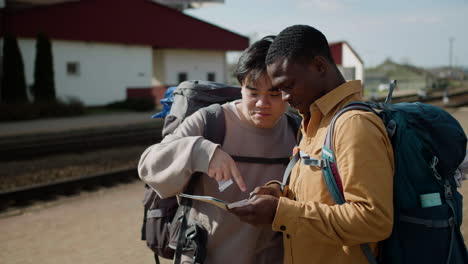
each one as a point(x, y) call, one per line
point(330, 170)
point(288, 170)
point(214, 130)
point(215, 123)
point(351, 106)
point(294, 122)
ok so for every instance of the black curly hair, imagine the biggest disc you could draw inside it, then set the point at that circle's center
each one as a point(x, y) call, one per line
point(299, 42)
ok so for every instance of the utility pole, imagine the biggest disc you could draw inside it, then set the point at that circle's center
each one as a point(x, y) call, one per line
point(451, 54)
point(446, 99)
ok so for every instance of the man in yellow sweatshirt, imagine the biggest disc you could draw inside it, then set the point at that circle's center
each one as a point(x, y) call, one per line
point(315, 229)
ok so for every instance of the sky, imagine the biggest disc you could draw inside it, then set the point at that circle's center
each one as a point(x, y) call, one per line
point(407, 31)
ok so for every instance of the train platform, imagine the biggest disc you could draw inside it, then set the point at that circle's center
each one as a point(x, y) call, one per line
point(100, 226)
point(55, 125)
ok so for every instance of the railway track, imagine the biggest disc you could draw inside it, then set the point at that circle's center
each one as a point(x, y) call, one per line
point(27, 147)
point(457, 98)
point(25, 196)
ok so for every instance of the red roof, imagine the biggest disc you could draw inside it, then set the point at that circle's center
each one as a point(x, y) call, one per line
point(139, 22)
point(336, 49)
point(337, 52)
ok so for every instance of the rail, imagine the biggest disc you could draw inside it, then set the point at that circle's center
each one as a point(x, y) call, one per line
point(27, 147)
point(23, 196)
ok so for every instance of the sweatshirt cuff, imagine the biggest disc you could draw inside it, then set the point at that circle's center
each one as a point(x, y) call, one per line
point(202, 153)
point(287, 215)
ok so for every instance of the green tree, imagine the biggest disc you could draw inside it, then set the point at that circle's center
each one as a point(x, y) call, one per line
point(43, 88)
point(13, 89)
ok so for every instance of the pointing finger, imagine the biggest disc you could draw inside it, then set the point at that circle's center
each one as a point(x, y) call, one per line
point(238, 178)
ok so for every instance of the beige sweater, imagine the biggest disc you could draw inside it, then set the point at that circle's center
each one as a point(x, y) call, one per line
point(168, 166)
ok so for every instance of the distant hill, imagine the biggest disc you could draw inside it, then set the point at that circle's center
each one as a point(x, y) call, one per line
point(409, 77)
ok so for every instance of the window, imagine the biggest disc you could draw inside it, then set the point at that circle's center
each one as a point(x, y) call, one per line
point(73, 68)
point(182, 76)
point(211, 76)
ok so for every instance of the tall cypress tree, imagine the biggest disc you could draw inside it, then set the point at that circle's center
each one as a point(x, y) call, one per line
point(13, 81)
point(44, 85)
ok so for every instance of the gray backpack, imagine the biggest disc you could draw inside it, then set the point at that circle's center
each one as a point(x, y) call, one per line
point(190, 96)
point(165, 227)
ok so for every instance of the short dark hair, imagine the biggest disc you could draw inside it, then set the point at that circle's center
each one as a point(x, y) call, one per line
point(299, 42)
point(251, 63)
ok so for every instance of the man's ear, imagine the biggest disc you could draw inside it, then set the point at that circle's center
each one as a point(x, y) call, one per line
point(320, 64)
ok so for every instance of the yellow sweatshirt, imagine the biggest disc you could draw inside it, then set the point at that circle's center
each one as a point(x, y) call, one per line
point(315, 229)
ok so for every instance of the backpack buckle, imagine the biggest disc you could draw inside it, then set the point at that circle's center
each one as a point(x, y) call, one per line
point(307, 160)
point(191, 232)
point(391, 128)
point(433, 165)
point(448, 190)
point(314, 162)
point(451, 221)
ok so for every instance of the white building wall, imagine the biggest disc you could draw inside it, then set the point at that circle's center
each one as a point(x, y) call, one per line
point(196, 63)
point(349, 59)
point(105, 70)
point(28, 54)
point(159, 77)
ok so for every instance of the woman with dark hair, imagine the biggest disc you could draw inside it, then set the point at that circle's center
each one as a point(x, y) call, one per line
point(256, 126)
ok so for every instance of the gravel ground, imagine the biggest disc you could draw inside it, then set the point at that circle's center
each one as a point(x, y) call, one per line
point(52, 168)
point(93, 227)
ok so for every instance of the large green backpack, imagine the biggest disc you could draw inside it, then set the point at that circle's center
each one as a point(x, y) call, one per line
point(429, 145)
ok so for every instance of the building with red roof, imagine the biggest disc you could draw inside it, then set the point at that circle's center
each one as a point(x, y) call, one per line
point(102, 48)
point(348, 61)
